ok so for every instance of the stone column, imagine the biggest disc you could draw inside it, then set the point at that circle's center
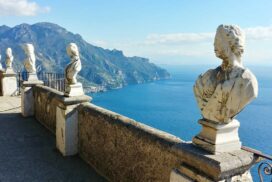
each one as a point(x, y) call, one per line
point(8, 83)
point(67, 123)
point(27, 98)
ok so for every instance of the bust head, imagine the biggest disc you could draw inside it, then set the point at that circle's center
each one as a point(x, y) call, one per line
point(72, 50)
point(29, 49)
point(9, 53)
point(229, 41)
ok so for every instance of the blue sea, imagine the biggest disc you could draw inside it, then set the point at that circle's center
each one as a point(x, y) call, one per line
point(169, 105)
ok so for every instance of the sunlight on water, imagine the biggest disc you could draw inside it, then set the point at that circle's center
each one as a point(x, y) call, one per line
point(169, 105)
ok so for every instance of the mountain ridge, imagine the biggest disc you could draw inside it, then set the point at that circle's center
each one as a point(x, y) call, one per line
point(101, 68)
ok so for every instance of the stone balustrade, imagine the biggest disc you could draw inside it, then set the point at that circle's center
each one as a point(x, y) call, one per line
point(122, 149)
point(45, 101)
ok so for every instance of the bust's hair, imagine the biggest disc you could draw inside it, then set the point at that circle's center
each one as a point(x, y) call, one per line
point(234, 37)
point(9, 50)
point(73, 49)
point(28, 48)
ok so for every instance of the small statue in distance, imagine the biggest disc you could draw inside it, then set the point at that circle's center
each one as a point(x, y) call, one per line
point(9, 60)
point(30, 61)
point(74, 66)
point(221, 93)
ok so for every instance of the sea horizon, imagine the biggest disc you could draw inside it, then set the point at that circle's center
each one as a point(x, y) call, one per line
point(169, 105)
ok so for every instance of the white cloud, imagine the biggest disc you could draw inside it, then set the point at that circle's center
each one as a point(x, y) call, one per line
point(186, 47)
point(176, 38)
point(254, 33)
point(21, 8)
point(259, 33)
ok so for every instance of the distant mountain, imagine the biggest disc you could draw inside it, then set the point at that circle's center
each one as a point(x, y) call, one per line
point(101, 68)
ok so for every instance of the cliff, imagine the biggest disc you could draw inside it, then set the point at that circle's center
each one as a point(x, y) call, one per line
point(102, 68)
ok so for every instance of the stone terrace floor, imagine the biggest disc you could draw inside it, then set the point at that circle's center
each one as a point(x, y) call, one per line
point(28, 152)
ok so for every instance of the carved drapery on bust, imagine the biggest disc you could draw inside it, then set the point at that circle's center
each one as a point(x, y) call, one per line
point(223, 92)
point(74, 66)
point(30, 61)
point(9, 58)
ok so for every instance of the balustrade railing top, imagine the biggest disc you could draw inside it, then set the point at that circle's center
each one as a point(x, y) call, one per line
point(52, 80)
point(265, 166)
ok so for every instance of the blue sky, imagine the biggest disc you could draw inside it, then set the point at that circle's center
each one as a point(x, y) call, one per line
point(166, 31)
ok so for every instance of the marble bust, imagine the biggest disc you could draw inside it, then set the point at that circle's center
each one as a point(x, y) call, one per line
point(9, 60)
point(74, 66)
point(221, 93)
point(30, 61)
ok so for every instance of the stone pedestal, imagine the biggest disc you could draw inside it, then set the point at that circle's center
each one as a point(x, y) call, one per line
point(67, 124)
point(74, 90)
point(198, 165)
point(9, 70)
point(217, 138)
point(27, 98)
point(8, 83)
point(32, 77)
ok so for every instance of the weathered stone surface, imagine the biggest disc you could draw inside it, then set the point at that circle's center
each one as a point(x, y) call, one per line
point(67, 123)
point(30, 61)
point(28, 100)
point(198, 164)
point(217, 138)
point(67, 130)
point(63, 102)
point(9, 61)
point(177, 176)
point(74, 66)
point(74, 90)
point(8, 83)
point(72, 87)
point(32, 83)
point(46, 106)
point(223, 92)
point(123, 149)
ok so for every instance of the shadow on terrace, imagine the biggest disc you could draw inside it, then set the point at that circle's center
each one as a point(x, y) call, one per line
point(28, 150)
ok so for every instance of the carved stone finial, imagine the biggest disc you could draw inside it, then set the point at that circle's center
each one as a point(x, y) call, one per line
point(223, 92)
point(9, 60)
point(30, 61)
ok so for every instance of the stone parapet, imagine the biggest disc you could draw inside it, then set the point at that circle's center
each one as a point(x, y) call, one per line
point(122, 149)
point(46, 106)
